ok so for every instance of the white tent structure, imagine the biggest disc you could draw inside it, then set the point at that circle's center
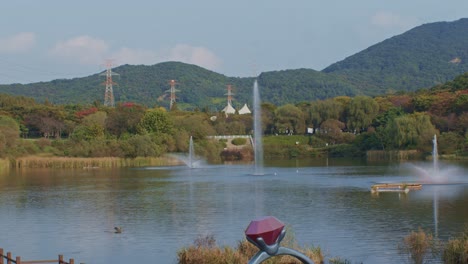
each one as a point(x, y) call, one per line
point(229, 109)
point(244, 110)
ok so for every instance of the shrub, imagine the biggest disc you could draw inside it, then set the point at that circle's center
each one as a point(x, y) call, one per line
point(239, 141)
point(456, 250)
point(344, 150)
point(418, 246)
point(43, 143)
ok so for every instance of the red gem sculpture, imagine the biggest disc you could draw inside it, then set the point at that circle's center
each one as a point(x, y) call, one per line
point(268, 228)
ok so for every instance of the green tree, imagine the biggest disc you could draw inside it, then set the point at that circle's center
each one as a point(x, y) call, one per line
point(156, 121)
point(361, 111)
point(450, 142)
point(141, 146)
point(412, 131)
point(197, 125)
point(268, 117)
point(290, 117)
point(320, 111)
point(330, 109)
point(48, 121)
point(332, 129)
point(461, 104)
point(9, 134)
point(124, 119)
point(422, 102)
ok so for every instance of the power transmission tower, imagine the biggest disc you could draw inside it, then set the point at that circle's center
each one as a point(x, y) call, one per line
point(109, 94)
point(229, 94)
point(173, 90)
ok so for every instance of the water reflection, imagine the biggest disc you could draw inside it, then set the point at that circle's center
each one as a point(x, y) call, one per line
point(73, 212)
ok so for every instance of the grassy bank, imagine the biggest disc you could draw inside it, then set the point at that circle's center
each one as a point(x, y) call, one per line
point(80, 163)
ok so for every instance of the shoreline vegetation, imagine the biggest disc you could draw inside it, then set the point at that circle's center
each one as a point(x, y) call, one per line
point(86, 163)
point(53, 162)
point(394, 126)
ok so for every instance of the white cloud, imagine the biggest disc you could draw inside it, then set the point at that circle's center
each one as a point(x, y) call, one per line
point(20, 42)
point(195, 55)
point(88, 50)
point(389, 21)
point(136, 56)
point(200, 56)
point(84, 49)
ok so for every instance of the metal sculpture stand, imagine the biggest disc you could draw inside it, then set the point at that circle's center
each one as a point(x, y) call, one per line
point(268, 251)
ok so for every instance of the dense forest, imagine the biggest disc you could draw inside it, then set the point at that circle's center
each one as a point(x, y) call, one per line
point(340, 125)
point(422, 57)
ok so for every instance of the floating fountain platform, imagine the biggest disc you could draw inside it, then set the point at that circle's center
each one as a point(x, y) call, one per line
point(395, 187)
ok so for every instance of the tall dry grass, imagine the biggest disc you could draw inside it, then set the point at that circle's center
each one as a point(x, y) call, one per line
point(419, 246)
point(376, 155)
point(4, 164)
point(80, 163)
point(456, 249)
point(205, 251)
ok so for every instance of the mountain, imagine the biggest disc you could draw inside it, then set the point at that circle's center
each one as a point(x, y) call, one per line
point(293, 86)
point(422, 57)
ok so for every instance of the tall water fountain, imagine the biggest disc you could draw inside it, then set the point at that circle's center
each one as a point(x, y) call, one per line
point(257, 123)
point(435, 158)
point(191, 153)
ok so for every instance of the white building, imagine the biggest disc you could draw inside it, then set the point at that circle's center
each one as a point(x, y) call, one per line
point(229, 109)
point(244, 110)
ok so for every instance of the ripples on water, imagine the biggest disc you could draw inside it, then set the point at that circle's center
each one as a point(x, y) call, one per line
point(46, 213)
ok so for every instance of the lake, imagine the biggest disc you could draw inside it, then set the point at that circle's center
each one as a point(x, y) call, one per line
point(324, 203)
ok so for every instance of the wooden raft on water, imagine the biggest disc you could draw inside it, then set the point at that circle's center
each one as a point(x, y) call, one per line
point(395, 187)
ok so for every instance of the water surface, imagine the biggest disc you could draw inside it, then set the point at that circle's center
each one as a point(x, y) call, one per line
point(325, 203)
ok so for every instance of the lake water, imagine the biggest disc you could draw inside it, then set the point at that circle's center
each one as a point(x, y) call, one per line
point(325, 203)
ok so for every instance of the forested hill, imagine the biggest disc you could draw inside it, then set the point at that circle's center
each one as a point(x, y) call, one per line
point(142, 84)
point(198, 87)
point(422, 57)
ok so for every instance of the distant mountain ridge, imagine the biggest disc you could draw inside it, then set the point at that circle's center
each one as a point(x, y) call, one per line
point(422, 57)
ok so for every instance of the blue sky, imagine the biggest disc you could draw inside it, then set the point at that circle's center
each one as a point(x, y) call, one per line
point(42, 40)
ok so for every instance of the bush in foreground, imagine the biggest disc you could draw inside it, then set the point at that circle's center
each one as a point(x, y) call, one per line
point(419, 246)
point(205, 251)
point(456, 250)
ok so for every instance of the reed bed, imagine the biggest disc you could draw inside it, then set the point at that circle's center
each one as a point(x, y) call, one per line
point(4, 164)
point(90, 163)
point(376, 155)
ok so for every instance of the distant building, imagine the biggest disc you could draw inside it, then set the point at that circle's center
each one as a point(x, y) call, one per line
point(244, 110)
point(229, 109)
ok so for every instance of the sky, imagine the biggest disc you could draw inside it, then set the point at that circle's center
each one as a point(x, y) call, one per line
point(43, 40)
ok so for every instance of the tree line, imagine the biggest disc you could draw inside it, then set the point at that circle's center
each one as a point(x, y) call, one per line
point(390, 122)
